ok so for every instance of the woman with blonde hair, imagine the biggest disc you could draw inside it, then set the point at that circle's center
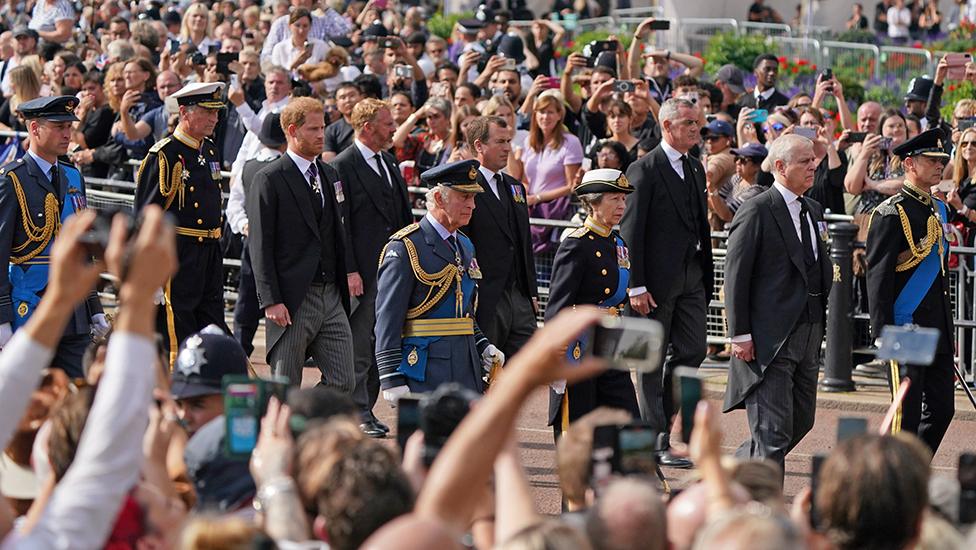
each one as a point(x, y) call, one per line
point(548, 164)
point(962, 197)
point(26, 86)
point(459, 122)
point(197, 29)
point(499, 105)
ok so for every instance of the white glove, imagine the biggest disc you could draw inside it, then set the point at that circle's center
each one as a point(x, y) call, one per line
point(558, 386)
point(490, 355)
point(159, 298)
point(393, 395)
point(5, 334)
point(100, 326)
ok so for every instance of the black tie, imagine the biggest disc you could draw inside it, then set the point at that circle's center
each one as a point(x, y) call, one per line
point(383, 174)
point(498, 186)
point(808, 255)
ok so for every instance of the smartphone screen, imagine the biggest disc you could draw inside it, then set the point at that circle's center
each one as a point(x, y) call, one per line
point(848, 427)
point(965, 123)
point(242, 415)
point(809, 133)
point(636, 444)
point(759, 116)
point(689, 394)
point(815, 464)
point(629, 343)
point(660, 25)
point(408, 419)
point(603, 463)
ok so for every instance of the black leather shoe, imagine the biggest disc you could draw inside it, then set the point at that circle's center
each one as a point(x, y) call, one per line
point(371, 429)
point(667, 460)
point(380, 425)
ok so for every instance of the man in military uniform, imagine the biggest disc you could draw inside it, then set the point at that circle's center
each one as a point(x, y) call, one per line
point(181, 173)
point(426, 334)
point(907, 252)
point(37, 193)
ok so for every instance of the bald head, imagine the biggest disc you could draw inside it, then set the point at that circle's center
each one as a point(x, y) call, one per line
point(868, 115)
point(630, 514)
point(686, 513)
point(412, 532)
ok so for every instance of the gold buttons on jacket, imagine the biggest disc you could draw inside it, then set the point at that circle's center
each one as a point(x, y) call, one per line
point(199, 222)
point(192, 188)
point(606, 291)
point(590, 236)
point(603, 272)
point(598, 255)
point(196, 205)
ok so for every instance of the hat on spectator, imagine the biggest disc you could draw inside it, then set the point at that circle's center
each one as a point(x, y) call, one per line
point(485, 14)
point(203, 361)
point(718, 127)
point(60, 108)
point(604, 180)
point(732, 77)
point(209, 95)
point(25, 31)
point(271, 134)
point(511, 46)
point(460, 176)
point(342, 41)
point(470, 26)
point(918, 89)
point(927, 144)
point(607, 59)
point(755, 151)
point(375, 30)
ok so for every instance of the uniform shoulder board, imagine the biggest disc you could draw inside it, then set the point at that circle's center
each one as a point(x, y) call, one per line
point(11, 166)
point(578, 233)
point(404, 232)
point(159, 145)
point(889, 206)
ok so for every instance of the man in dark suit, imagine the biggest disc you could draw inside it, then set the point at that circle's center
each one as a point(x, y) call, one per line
point(765, 95)
point(908, 281)
point(777, 275)
point(296, 241)
point(499, 229)
point(39, 193)
point(374, 205)
point(666, 227)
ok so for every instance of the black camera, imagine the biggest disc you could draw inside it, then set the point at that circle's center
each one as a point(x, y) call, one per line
point(828, 74)
point(623, 86)
point(198, 58)
point(593, 50)
point(440, 413)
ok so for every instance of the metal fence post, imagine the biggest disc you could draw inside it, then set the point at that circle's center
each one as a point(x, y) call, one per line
point(840, 321)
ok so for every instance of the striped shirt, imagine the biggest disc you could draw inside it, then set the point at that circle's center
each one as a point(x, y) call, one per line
point(45, 15)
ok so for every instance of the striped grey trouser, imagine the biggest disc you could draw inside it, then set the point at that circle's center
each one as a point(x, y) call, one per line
point(320, 330)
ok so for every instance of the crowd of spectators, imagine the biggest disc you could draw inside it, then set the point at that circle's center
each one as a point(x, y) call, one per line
point(133, 464)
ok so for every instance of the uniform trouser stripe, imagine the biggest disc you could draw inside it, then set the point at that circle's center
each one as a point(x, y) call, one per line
point(895, 383)
point(564, 413)
point(170, 325)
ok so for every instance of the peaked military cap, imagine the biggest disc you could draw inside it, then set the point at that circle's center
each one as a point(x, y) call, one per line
point(927, 144)
point(460, 176)
point(59, 108)
point(209, 95)
point(604, 180)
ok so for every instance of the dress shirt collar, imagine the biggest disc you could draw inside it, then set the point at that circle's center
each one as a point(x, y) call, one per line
point(789, 196)
point(300, 162)
point(764, 95)
point(441, 230)
point(367, 153)
point(44, 165)
point(490, 178)
point(674, 156)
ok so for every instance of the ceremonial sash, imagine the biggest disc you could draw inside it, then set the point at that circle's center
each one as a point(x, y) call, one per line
point(922, 279)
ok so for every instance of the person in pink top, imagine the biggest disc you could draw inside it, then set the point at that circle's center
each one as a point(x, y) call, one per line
point(549, 164)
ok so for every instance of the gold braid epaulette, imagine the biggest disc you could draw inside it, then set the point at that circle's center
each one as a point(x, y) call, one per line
point(442, 280)
point(172, 185)
point(42, 235)
point(924, 247)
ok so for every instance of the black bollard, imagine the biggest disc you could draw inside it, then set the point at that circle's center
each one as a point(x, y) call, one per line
point(838, 360)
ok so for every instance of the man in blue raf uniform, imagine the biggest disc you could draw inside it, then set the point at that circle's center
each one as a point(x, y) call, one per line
point(38, 193)
point(181, 173)
point(907, 253)
point(426, 334)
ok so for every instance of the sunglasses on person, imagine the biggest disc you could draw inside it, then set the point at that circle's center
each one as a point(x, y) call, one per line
point(743, 160)
point(777, 126)
point(967, 144)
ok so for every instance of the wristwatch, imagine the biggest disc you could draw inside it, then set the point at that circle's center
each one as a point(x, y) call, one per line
point(271, 489)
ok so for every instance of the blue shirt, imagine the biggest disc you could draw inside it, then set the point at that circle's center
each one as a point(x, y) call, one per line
point(44, 165)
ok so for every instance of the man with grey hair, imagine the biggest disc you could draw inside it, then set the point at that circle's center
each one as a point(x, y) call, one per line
point(777, 275)
point(666, 228)
point(425, 330)
point(629, 515)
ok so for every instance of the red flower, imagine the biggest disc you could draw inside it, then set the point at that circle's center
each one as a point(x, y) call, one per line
point(782, 59)
point(802, 62)
point(814, 67)
point(796, 69)
point(952, 87)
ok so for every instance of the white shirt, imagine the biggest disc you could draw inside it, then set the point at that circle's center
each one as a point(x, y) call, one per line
point(85, 503)
point(764, 95)
point(490, 178)
point(347, 73)
point(793, 205)
point(284, 53)
point(236, 215)
point(252, 122)
point(441, 230)
point(372, 161)
point(898, 22)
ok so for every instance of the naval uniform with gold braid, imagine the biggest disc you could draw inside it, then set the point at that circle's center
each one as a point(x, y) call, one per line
point(426, 334)
point(907, 254)
point(32, 209)
point(182, 175)
point(592, 266)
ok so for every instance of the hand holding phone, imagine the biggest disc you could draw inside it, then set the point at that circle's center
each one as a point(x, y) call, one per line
point(956, 64)
point(628, 343)
point(758, 116)
point(689, 394)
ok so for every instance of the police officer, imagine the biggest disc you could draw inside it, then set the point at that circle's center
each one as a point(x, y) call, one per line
point(425, 329)
point(592, 267)
point(181, 173)
point(38, 192)
point(907, 253)
point(221, 482)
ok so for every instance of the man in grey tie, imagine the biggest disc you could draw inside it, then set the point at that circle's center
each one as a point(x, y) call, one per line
point(373, 198)
point(777, 275)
